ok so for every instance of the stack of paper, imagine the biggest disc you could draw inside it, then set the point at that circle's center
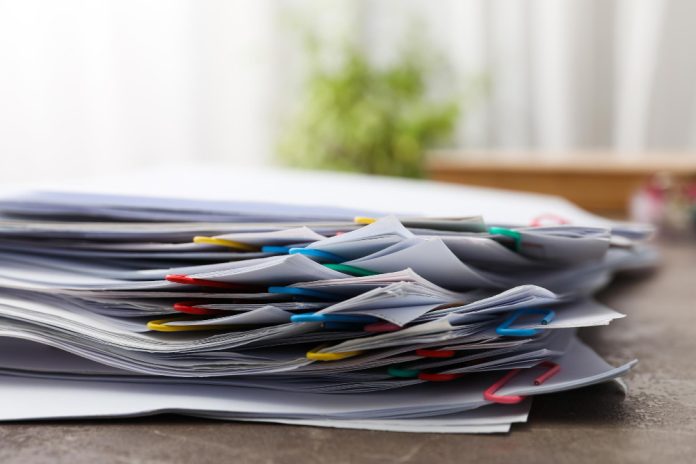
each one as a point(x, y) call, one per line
point(119, 306)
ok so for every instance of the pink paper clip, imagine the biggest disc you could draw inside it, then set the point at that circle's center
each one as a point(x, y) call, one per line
point(551, 218)
point(489, 394)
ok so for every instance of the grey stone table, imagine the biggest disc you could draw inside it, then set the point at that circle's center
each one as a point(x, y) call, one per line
point(656, 423)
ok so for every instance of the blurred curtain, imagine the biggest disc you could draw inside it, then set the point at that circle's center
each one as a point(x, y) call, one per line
point(567, 74)
point(89, 86)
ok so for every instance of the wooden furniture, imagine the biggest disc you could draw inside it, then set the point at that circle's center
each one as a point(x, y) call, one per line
point(599, 182)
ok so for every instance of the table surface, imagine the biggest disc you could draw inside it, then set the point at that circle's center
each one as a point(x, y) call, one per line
point(655, 423)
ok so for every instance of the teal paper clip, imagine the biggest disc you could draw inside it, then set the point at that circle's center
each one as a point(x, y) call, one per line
point(342, 318)
point(352, 270)
point(513, 234)
point(403, 373)
point(303, 292)
point(505, 330)
point(319, 254)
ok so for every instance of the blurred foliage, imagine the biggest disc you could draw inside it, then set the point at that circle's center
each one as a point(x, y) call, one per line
point(358, 117)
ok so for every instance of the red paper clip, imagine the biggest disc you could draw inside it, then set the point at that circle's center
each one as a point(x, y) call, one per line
point(490, 395)
point(190, 308)
point(186, 280)
point(436, 353)
point(381, 327)
point(437, 377)
point(552, 369)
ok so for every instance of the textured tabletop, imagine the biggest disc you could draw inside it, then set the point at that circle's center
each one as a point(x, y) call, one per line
point(656, 423)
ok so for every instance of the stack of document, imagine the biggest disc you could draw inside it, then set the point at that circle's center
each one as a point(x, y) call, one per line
point(123, 306)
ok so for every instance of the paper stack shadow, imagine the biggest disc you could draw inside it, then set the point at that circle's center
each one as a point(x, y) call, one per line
point(115, 306)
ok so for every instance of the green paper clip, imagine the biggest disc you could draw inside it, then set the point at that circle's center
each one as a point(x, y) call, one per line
point(353, 270)
point(513, 234)
point(403, 373)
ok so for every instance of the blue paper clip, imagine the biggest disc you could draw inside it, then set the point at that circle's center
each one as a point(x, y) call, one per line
point(505, 330)
point(295, 291)
point(277, 250)
point(319, 254)
point(343, 318)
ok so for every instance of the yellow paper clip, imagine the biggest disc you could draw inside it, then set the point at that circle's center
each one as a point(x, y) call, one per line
point(363, 220)
point(224, 242)
point(160, 325)
point(314, 355)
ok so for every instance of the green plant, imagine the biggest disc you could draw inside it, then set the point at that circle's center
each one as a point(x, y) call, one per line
point(358, 117)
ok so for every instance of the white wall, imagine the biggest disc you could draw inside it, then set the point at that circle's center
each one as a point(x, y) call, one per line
point(90, 86)
point(100, 85)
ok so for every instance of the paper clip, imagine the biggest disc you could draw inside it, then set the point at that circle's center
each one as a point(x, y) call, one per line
point(425, 376)
point(489, 393)
point(160, 325)
point(353, 270)
point(295, 291)
point(343, 318)
point(314, 355)
point(278, 250)
point(403, 373)
point(436, 353)
point(319, 254)
point(364, 220)
point(224, 243)
point(552, 369)
point(191, 308)
point(434, 377)
point(505, 330)
point(513, 234)
point(186, 280)
point(379, 327)
point(553, 218)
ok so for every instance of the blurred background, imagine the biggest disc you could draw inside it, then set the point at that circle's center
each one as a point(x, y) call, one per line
point(594, 100)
